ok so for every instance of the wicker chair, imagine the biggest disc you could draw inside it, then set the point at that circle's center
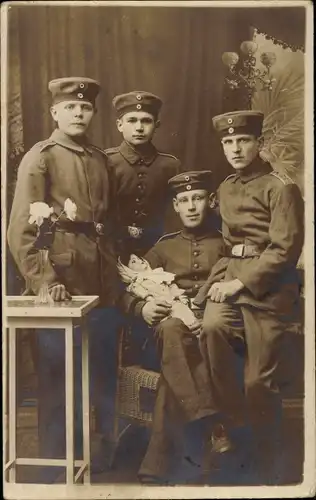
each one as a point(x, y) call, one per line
point(136, 390)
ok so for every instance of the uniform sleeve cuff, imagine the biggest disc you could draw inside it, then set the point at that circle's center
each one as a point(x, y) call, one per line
point(138, 307)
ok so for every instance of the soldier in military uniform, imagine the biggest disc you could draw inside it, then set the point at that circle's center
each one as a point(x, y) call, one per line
point(81, 255)
point(183, 393)
point(253, 291)
point(141, 172)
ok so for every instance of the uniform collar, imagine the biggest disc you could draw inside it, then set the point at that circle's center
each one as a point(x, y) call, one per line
point(256, 169)
point(200, 233)
point(147, 153)
point(67, 142)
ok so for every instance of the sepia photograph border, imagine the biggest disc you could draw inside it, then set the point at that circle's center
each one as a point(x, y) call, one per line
point(124, 491)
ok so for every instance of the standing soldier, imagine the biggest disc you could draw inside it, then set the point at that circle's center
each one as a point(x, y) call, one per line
point(81, 257)
point(253, 292)
point(142, 173)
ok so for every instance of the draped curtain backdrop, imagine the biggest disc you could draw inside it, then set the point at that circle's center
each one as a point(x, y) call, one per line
point(173, 52)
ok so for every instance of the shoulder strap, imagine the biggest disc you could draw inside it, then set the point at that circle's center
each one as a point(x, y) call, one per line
point(168, 235)
point(100, 150)
point(283, 177)
point(42, 145)
point(229, 177)
point(168, 155)
point(111, 151)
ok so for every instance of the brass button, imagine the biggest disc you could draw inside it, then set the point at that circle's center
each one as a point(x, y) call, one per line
point(81, 85)
point(197, 285)
point(195, 253)
point(195, 265)
point(230, 121)
point(136, 212)
point(137, 200)
point(141, 160)
point(139, 106)
point(80, 95)
point(195, 278)
point(140, 175)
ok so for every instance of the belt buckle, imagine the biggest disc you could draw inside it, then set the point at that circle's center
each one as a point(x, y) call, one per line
point(238, 250)
point(135, 232)
point(99, 228)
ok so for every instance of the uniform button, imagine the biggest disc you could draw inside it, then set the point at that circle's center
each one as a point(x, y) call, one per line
point(195, 266)
point(140, 186)
point(136, 212)
point(140, 175)
point(197, 285)
point(194, 243)
point(141, 161)
point(195, 278)
point(196, 253)
point(137, 200)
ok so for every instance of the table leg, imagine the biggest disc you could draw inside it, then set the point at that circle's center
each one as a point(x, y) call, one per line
point(12, 402)
point(69, 389)
point(85, 400)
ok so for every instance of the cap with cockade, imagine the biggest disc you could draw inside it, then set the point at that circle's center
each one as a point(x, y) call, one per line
point(239, 122)
point(137, 101)
point(74, 89)
point(188, 181)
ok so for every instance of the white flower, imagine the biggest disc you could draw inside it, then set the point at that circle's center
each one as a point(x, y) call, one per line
point(70, 208)
point(38, 212)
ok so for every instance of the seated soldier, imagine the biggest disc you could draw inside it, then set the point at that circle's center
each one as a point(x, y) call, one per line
point(183, 393)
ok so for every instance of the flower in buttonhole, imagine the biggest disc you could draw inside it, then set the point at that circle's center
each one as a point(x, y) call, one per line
point(70, 209)
point(39, 211)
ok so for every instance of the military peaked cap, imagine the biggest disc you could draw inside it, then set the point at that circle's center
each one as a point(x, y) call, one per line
point(188, 181)
point(74, 89)
point(137, 101)
point(239, 122)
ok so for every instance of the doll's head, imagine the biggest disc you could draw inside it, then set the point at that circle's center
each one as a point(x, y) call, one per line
point(138, 264)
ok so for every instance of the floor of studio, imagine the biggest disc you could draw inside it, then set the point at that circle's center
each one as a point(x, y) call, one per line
point(129, 454)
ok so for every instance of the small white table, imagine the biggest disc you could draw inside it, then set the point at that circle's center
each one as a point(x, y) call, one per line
point(21, 313)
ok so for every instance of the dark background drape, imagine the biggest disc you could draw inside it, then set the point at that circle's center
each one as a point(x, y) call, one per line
point(172, 51)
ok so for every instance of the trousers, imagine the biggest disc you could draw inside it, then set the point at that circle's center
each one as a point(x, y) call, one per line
point(257, 402)
point(103, 325)
point(183, 394)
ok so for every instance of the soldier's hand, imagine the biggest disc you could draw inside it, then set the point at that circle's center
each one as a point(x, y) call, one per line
point(219, 292)
point(59, 293)
point(155, 310)
point(196, 327)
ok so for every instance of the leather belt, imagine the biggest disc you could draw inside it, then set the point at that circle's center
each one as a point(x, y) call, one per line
point(88, 228)
point(242, 251)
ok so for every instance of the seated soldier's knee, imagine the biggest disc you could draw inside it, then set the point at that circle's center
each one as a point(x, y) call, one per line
point(171, 328)
point(214, 326)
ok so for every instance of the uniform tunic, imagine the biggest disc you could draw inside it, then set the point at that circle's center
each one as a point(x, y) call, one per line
point(265, 209)
point(52, 171)
point(184, 393)
point(142, 193)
